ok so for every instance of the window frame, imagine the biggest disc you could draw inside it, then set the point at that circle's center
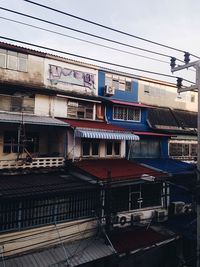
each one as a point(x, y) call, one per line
point(16, 57)
point(125, 110)
point(113, 143)
point(91, 143)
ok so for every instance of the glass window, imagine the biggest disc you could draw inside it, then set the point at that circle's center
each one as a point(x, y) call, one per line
point(86, 148)
point(128, 86)
point(113, 148)
point(95, 148)
point(109, 146)
point(90, 147)
point(13, 143)
point(80, 109)
point(117, 148)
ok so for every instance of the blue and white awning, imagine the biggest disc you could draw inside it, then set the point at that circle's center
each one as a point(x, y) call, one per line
point(102, 134)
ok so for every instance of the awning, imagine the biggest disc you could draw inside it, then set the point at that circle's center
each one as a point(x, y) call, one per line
point(152, 134)
point(31, 119)
point(114, 101)
point(102, 134)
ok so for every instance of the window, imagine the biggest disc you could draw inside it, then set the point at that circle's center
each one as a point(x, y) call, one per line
point(90, 148)
point(126, 113)
point(118, 82)
point(80, 109)
point(15, 144)
point(19, 103)
point(136, 196)
point(145, 149)
point(192, 98)
point(13, 60)
point(113, 148)
point(183, 149)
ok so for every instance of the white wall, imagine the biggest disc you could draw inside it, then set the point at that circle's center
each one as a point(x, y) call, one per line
point(34, 75)
point(67, 82)
point(76, 153)
point(42, 105)
point(165, 96)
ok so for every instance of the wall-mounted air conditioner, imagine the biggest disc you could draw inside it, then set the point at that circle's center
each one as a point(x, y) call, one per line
point(161, 215)
point(109, 90)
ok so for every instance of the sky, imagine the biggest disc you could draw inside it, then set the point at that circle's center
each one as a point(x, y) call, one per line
point(174, 23)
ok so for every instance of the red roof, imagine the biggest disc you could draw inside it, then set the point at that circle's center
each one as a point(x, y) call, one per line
point(152, 134)
point(128, 103)
point(140, 237)
point(121, 169)
point(94, 125)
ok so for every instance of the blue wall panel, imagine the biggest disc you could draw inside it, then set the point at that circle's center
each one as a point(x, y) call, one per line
point(119, 94)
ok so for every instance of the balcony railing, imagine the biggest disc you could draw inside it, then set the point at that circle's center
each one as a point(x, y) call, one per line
point(34, 163)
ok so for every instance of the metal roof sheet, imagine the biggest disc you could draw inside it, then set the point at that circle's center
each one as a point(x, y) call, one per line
point(137, 238)
point(168, 165)
point(129, 103)
point(94, 125)
point(121, 169)
point(39, 184)
point(74, 254)
point(31, 119)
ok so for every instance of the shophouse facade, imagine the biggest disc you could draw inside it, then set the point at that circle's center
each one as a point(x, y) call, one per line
point(63, 118)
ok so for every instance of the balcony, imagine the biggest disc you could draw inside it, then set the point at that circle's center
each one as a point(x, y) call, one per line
point(43, 162)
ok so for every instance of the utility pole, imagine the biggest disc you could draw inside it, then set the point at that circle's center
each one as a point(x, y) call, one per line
point(196, 88)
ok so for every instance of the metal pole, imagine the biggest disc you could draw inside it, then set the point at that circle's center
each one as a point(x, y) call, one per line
point(198, 165)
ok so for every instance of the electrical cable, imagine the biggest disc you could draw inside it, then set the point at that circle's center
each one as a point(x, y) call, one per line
point(106, 27)
point(86, 33)
point(88, 58)
point(83, 40)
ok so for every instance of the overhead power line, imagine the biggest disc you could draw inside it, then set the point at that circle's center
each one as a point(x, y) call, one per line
point(82, 40)
point(89, 34)
point(104, 26)
point(91, 59)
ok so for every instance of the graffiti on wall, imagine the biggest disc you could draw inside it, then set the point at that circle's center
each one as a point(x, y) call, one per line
point(58, 74)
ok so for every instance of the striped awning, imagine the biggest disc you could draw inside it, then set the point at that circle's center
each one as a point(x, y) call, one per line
point(102, 134)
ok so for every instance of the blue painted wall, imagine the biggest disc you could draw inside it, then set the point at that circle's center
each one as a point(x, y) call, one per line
point(130, 125)
point(119, 94)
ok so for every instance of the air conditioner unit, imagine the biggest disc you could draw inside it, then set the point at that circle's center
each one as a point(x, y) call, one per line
point(177, 207)
point(161, 215)
point(109, 90)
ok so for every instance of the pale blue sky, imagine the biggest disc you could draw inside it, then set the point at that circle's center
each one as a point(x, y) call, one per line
point(172, 22)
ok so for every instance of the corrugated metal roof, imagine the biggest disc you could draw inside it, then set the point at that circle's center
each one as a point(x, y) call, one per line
point(169, 165)
point(129, 103)
point(94, 125)
point(31, 119)
point(162, 118)
point(172, 120)
point(70, 254)
point(186, 119)
point(137, 238)
point(152, 134)
point(121, 169)
point(39, 184)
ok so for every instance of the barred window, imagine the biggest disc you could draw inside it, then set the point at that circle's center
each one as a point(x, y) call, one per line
point(126, 113)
